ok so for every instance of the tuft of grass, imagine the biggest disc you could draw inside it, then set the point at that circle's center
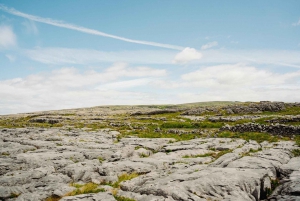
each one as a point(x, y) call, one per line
point(5, 154)
point(198, 155)
point(85, 189)
point(143, 155)
point(14, 195)
point(177, 137)
point(74, 160)
point(297, 140)
point(101, 159)
point(121, 198)
point(137, 147)
point(215, 155)
point(124, 177)
point(251, 151)
point(221, 153)
point(296, 152)
point(53, 198)
point(259, 137)
point(274, 184)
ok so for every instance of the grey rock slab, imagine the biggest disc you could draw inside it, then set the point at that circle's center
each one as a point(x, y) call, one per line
point(7, 191)
point(249, 162)
point(143, 197)
point(32, 196)
point(290, 189)
point(84, 171)
point(13, 148)
point(212, 183)
point(63, 190)
point(23, 177)
point(277, 155)
point(120, 167)
point(142, 152)
point(154, 144)
point(9, 164)
point(251, 145)
point(96, 153)
point(103, 196)
point(192, 152)
point(224, 160)
point(178, 147)
point(50, 158)
point(285, 198)
point(292, 165)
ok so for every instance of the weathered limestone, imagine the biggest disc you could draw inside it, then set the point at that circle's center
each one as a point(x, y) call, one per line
point(38, 163)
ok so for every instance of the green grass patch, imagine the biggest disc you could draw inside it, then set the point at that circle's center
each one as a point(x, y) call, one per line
point(296, 152)
point(294, 110)
point(297, 140)
point(198, 155)
point(124, 177)
point(53, 198)
point(274, 184)
point(208, 124)
point(85, 189)
point(203, 124)
point(121, 198)
point(251, 151)
point(177, 137)
point(258, 137)
point(177, 125)
point(101, 159)
point(221, 153)
point(215, 155)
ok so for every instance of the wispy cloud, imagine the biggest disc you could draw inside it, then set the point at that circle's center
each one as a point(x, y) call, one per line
point(209, 45)
point(296, 23)
point(7, 37)
point(30, 27)
point(10, 57)
point(63, 56)
point(83, 29)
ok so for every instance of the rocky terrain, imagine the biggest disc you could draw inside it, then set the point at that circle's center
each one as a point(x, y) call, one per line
point(191, 152)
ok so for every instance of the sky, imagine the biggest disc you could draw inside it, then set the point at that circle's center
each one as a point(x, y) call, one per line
point(72, 54)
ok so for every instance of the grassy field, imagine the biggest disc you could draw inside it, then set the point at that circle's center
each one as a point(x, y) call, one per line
point(165, 125)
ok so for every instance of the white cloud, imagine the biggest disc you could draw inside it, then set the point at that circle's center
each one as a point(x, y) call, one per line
point(30, 27)
point(238, 82)
point(237, 76)
point(7, 37)
point(209, 45)
point(126, 84)
point(296, 23)
point(187, 55)
point(70, 88)
point(273, 57)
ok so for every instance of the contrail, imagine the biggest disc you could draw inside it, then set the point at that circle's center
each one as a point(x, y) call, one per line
point(83, 29)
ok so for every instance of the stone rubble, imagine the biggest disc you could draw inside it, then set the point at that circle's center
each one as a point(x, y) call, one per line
point(277, 129)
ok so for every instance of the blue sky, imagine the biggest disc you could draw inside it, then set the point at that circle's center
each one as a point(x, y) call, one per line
point(69, 54)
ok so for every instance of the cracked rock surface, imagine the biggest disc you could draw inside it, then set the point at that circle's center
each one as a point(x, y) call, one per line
point(36, 164)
